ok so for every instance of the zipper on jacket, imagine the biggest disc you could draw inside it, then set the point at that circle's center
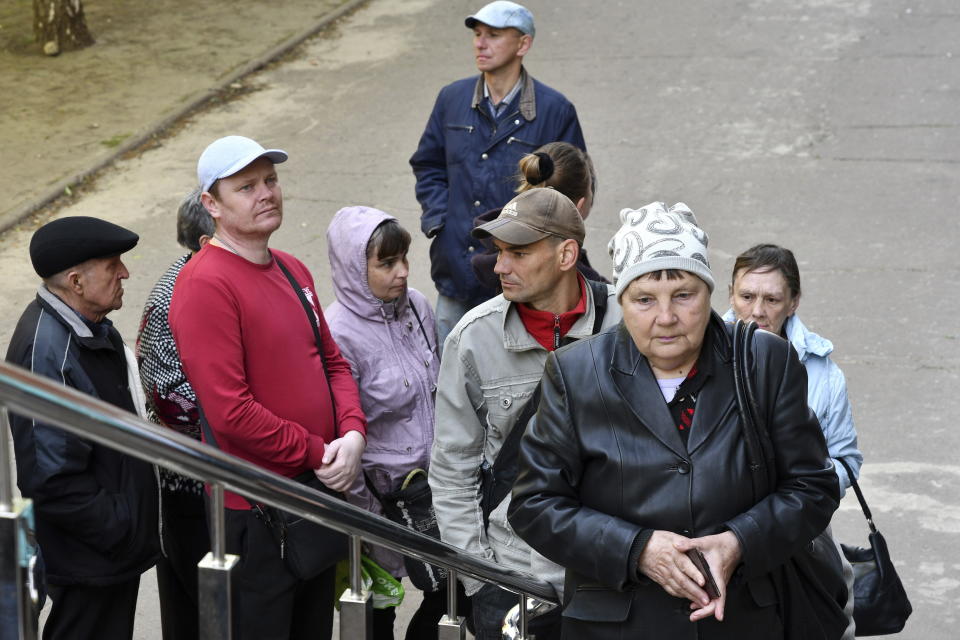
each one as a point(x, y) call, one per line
point(461, 127)
point(556, 332)
point(513, 139)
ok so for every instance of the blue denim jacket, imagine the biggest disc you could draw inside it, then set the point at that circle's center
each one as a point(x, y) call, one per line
point(467, 163)
point(826, 395)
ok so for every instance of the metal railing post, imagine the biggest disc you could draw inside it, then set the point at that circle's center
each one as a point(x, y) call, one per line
point(524, 619)
point(214, 576)
point(18, 615)
point(356, 605)
point(6, 476)
point(452, 626)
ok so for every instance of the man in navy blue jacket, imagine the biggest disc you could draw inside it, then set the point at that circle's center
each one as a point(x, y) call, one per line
point(467, 160)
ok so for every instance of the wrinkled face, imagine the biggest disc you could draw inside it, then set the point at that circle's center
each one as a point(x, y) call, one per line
point(667, 320)
point(387, 276)
point(248, 203)
point(495, 49)
point(529, 273)
point(764, 297)
point(99, 284)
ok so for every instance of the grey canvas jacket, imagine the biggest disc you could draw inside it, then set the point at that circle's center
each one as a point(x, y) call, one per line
point(490, 368)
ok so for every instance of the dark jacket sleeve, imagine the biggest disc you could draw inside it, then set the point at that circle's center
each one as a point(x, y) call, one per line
point(429, 165)
point(807, 491)
point(546, 505)
point(570, 128)
point(54, 469)
point(484, 262)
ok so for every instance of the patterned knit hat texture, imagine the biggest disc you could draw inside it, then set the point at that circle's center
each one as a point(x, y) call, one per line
point(654, 238)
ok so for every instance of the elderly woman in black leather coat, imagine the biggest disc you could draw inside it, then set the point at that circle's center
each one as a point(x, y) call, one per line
point(636, 456)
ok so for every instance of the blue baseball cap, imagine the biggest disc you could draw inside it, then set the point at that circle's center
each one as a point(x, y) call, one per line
point(227, 156)
point(502, 14)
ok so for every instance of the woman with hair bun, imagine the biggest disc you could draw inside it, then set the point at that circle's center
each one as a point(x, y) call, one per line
point(558, 165)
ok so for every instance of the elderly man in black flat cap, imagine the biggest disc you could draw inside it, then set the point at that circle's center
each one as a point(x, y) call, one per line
point(96, 508)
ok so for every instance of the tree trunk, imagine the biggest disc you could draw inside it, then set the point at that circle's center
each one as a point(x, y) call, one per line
point(59, 25)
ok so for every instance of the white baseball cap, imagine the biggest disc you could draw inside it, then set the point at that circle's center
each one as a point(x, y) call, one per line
point(502, 14)
point(227, 156)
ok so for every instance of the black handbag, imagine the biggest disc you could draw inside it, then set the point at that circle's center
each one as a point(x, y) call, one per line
point(810, 586)
point(880, 602)
point(412, 506)
point(308, 548)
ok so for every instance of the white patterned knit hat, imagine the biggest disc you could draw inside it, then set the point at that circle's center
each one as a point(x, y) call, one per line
point(654, 238)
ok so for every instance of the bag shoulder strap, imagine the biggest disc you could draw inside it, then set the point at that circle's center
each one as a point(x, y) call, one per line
point(205, 427)
point(423, 331)
point(306, 306)
point(312, 320)
point(860, 498)
point(750, 413)
point(599, 290)
point(505, 467)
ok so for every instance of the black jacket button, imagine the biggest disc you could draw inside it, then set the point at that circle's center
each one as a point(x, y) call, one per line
point(683, 467)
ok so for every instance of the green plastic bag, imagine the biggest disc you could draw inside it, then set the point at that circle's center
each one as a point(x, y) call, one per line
point(387, 590)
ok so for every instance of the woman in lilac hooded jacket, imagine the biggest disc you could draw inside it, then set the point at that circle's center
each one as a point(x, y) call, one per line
point(386, 331)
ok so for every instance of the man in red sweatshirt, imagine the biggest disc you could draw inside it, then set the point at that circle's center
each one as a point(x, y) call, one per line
point(269, 394)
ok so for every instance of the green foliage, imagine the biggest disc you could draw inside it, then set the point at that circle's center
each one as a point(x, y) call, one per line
point(115, 140)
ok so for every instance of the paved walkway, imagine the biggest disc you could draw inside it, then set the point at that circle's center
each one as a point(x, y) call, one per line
point(829, 126)
point(63, 117)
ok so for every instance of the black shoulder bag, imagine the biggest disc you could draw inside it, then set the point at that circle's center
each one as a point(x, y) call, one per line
point(880, 603)
point(810, 585)
point(496, 480)
point(308, 548)
point(412, 506)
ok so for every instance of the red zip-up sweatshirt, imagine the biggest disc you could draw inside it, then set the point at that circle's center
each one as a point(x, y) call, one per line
point(251, 356)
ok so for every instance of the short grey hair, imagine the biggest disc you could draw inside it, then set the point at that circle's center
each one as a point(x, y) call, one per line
point(193, 221)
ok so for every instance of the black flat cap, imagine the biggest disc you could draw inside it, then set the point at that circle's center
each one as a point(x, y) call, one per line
point(66, 242)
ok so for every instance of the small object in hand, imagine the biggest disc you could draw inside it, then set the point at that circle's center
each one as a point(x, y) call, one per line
point(710, 585)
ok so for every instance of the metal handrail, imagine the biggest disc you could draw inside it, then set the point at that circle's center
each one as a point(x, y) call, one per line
point(42, 398)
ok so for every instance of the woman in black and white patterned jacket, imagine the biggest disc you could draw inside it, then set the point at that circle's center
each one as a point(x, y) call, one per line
point(171, 402)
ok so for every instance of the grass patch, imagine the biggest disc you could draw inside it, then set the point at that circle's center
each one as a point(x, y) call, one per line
point(115, 141)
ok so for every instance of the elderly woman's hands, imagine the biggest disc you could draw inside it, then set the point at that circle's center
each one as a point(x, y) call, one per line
point(722, 552)
point(664, 561)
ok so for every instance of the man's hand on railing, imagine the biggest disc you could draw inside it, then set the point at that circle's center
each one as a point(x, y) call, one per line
point(341, 461)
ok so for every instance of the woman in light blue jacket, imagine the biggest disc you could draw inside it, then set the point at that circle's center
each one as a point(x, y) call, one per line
point(765, 288)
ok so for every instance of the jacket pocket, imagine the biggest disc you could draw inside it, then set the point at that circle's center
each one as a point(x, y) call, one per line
point(762, 590)
point(594, 604)
point(458, 141)
point(123, 522)
point(522, 142)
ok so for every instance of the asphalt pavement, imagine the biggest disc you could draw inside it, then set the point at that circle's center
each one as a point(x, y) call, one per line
point(827, 126)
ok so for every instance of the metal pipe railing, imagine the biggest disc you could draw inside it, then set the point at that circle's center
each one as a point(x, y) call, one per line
point(6, 480)
point(41, 398)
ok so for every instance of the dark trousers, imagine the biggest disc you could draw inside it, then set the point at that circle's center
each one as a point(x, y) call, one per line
point(81, 612)
point(185, 541)
point(269, 601)
point(490, 606)
point(423, 624)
